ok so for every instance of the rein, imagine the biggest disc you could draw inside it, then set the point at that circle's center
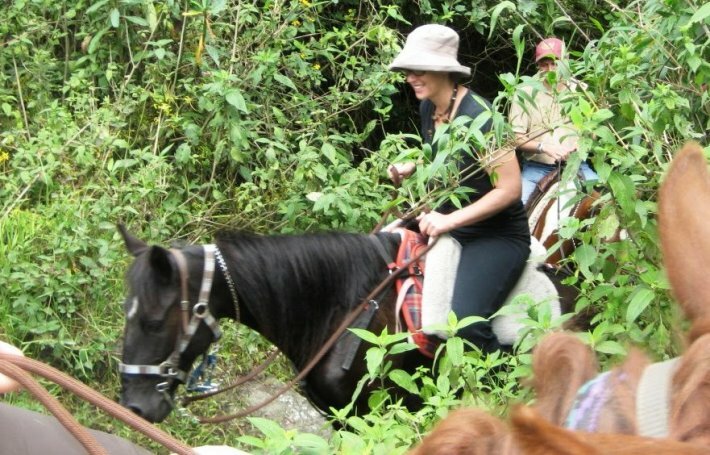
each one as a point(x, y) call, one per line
point(18, 367)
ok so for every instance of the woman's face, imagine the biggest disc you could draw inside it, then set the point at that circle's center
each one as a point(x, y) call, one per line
point(426, 84)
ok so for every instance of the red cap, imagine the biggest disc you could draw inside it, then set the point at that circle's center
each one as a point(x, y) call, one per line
point(549, 48)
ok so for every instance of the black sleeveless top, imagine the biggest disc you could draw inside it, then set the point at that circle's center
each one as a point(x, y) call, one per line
point(512, 220)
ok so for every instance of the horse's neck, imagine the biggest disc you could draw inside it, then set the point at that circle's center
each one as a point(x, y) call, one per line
point(295, 291)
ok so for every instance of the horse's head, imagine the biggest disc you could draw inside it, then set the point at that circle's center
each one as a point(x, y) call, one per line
point(166, 326)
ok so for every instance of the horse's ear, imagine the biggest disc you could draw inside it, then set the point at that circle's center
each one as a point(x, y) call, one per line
point(134, 245)
point(161, 264)
point(683, 214)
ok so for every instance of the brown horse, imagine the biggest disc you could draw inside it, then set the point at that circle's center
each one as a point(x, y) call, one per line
point(602, 417)
point(553, 200)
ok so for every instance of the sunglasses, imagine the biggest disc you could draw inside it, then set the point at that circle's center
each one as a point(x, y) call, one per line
point(413, 72)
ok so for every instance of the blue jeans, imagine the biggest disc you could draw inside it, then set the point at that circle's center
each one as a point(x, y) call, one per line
point(534, 171)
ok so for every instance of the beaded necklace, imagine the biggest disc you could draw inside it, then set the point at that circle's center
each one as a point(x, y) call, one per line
point(446, 116)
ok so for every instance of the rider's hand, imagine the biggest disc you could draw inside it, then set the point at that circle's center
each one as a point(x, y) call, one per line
point(400, 171)
point(558, 152)
point(433, 224)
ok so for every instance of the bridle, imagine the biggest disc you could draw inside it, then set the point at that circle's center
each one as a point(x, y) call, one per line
point(169, 369)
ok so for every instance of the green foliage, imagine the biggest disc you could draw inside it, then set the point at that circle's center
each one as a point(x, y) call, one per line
point(182, 117)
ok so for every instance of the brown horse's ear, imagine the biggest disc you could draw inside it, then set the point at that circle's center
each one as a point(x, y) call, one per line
point(683, 214)
point(134, 245)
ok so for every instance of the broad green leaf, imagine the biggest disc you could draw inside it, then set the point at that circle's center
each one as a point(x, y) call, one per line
point(465, 322)
point(374, 357)
point(235, 98)
point(454, 350)
point(311, 441)
point(284, 80)
point(269, 428)
point(217, 6)
point(496, 12)
point(96, 39)
point(700, 15)
point(151, 15)
point(585, 255)
point(137, 20)
point(377, 399)
point(443, 384)
point(115, 17)
point(602, 115)
point(183, 153)
point(610, 347)
point(639, 301)
point(329, 152)
point(404, 380)
point(366, 335)
point(402, 347)
point(624, 191)
point(95, 6)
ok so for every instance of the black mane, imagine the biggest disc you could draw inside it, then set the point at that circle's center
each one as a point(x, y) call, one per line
point(298, 287)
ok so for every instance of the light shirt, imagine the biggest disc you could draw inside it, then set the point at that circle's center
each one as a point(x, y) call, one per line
point(537, 112)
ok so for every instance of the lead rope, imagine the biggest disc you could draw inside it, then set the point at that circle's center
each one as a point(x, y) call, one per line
point(10, 364)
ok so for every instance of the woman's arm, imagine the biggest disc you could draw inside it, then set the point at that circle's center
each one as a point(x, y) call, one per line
point(7, 384)
point(506, 191)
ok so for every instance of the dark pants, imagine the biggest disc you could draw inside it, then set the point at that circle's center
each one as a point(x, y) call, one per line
point(488, 270)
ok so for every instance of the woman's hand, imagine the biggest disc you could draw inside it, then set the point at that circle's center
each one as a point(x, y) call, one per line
point(433, 224)
point(401, 171)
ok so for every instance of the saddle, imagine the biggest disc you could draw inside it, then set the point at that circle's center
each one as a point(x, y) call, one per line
point(550, 202)
point(424, 297)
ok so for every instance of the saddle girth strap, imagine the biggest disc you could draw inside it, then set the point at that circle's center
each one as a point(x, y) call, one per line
point(653, 398)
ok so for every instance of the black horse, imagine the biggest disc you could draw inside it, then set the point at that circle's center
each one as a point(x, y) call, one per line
point(294, 290)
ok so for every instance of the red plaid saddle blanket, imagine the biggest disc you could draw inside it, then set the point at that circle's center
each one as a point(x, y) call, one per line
point(409, 287)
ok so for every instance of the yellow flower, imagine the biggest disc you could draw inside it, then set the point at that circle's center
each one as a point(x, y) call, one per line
point(296, 23)
point(3, 156)
point(316, 66)
point(305, 3)
point(165, 107)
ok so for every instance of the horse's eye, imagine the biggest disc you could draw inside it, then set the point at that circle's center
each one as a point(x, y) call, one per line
point(151, 326)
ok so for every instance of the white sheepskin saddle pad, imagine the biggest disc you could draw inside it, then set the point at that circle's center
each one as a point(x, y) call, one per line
point(441, 264)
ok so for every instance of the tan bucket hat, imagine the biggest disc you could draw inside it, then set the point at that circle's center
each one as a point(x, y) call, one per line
point(430, 47)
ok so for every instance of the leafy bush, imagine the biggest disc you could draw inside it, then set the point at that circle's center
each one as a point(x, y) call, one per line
point(181, 118)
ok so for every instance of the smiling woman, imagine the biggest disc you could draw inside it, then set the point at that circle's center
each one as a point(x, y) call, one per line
point(491, 227)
